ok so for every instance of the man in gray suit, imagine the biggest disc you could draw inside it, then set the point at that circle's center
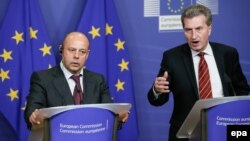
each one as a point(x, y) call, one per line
point(179, 72)
point(55, 86)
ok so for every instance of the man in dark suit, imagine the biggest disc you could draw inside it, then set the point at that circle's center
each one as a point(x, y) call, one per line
point(56, 87)
point(179, 72)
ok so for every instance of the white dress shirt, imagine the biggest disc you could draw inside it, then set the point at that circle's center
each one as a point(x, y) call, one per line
point(215, 79)
point(70, 81)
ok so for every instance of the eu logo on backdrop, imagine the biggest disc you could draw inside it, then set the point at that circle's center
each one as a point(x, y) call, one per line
point(169, 11)
point(173, 7)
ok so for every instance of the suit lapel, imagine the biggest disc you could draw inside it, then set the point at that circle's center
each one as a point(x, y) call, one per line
point(61, 85)
point(189, 65)
point(89, 87)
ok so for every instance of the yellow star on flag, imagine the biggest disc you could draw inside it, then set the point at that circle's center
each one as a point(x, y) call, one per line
point(119, 85)
point(45, 49)
point(120, 44)
point(94, 32)
point(18, 37)
point(123, 65)
point(4, 74)
point(6, 55)
point(13, 94)
point(108, 29)
point(33, 33)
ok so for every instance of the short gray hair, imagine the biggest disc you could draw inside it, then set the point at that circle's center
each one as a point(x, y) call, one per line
point(197, 10)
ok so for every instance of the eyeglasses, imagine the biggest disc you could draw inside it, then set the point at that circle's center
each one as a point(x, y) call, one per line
point(80, 52)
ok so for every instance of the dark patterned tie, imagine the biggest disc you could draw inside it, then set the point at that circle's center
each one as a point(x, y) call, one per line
point(205, 90)
point(77, 94)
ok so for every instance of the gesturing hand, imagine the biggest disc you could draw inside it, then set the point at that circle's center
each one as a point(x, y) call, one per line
point(161, 84)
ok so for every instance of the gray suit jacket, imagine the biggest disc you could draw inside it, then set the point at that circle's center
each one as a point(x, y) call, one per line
point(49, 88)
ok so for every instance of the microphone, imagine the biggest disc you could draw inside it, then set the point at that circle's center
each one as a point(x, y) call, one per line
point(228, 80)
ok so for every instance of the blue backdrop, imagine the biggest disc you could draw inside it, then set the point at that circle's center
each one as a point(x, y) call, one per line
point(146, 43)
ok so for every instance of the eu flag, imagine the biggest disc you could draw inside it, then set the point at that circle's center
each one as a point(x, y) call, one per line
point(24, 48)
point(109, 56)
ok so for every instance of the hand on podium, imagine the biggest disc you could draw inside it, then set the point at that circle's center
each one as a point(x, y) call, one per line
point(123, 117)
point(35, 119)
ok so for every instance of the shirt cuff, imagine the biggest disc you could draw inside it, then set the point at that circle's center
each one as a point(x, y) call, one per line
point(155, 93)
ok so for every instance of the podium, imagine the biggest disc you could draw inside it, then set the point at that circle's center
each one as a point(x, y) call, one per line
point(79, 122)
point(208, 119)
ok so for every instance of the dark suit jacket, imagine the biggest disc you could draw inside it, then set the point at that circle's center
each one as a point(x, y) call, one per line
point(49, 88)
point(178, 62)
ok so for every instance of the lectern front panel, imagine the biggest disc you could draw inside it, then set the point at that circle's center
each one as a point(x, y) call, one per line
point(90, 124)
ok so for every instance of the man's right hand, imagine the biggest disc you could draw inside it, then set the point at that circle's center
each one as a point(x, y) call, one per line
point(161, 84)
point(34, 119)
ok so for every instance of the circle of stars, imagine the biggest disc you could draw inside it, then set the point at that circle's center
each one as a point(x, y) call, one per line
point(175, 10)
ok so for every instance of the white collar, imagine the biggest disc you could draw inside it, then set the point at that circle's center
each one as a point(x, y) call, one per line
point(208, 51)
point(66, 72)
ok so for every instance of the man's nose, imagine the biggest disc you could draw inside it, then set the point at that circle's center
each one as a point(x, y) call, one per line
point(194, 34)
point(76, 53)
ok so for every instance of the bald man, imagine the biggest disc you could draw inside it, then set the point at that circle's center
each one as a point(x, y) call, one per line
point(55, 87)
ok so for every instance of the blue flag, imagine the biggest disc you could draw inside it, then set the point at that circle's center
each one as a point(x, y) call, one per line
point(109, 56)
point(24, 48)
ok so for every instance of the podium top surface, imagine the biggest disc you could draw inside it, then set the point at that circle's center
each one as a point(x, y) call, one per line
point(193, 118)
point(114, 107)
